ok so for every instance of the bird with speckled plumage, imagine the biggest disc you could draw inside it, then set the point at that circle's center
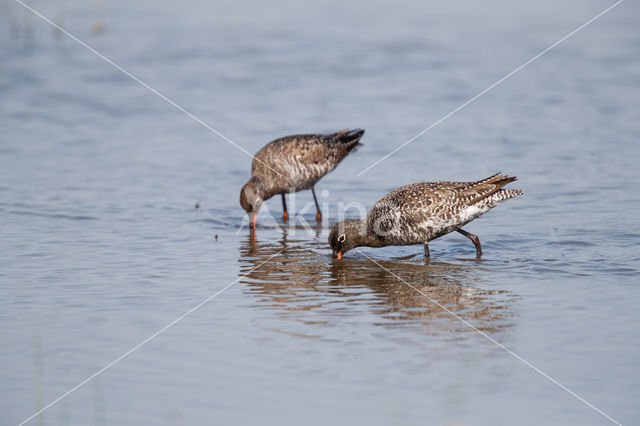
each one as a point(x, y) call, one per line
point(294, 163)
point(421, 212)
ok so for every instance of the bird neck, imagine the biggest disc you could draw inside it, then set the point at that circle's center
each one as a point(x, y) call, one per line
point(257, 184)
point(361, 237)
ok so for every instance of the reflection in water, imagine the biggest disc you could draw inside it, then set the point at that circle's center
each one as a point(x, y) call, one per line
point(302, 276)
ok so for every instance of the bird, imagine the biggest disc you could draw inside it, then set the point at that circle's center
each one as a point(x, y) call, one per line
point(421, 212)
point(294, 163)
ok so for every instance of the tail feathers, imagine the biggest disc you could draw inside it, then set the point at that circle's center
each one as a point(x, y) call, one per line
point(505, 194)
point(349, 138)
point(489, 179)
point(491, 185)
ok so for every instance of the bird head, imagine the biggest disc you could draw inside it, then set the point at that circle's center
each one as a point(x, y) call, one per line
point(251, 198)
point(345, 236)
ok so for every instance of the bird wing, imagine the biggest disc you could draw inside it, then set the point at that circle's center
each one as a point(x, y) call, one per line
point(436, 204)
point(408, 207)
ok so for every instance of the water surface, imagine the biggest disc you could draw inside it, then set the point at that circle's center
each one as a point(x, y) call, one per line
point(103, 246)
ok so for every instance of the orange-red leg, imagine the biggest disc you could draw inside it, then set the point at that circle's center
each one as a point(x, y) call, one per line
point(318, 212)
point(285, 215)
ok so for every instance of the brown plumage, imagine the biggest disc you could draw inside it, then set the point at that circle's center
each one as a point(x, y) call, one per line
point(421, 212)
point(292, 164)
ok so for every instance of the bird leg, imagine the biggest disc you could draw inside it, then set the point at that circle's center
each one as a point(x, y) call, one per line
point(475, 239)
point(319, 213)
point(426, 250)
point(285, 215)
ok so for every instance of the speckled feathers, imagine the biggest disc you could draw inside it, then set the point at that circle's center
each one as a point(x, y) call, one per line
point(424, 211)
point(295, 163)
point(421, 212)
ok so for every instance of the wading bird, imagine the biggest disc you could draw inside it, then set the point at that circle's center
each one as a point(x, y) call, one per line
point(421, 212)
point(292, 164)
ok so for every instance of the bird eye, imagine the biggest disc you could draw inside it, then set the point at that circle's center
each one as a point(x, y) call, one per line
point(341, 238)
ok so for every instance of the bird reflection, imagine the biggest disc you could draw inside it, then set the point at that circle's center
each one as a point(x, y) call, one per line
point(294, 227)
point(297, 275)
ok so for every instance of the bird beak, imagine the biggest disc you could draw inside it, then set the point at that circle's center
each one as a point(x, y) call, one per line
point(339, 256)
point(252, 219)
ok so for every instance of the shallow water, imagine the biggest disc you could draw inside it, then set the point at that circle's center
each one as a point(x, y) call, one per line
point(103, 246)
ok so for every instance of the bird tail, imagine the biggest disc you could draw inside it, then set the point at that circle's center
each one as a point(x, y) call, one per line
point(349, 138)
point(493, 184)
point(493, 179)
point(505, 194)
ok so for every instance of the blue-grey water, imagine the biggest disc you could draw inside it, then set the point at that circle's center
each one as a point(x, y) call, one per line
point(102, 245)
